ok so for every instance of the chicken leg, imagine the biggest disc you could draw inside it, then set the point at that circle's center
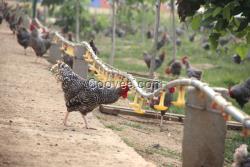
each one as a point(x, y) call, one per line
point(86, 123)
point(66, 118)
point(161, 123)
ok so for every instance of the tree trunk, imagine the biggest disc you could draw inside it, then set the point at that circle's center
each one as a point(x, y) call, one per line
point(77, 20)
point(143, 23)
point(45, 11)
point(173, 28)
point(34, 8)
point(111, 59)
point(153, 53)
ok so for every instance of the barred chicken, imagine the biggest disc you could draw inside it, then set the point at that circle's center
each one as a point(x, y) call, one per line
point(84, 95)
point(241, 157)
point(158, 61)
point(241, 92)
point(191, 71)
point(23, 37)
point(39, 44)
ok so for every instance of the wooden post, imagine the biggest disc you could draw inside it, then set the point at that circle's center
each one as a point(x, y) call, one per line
point(111, 59)
point(153, 53)
point(204, 133)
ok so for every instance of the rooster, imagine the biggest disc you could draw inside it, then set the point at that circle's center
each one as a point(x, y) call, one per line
point(39, 44)
point(174, 68)
point(191, 71)
point(241, 157)
point(241, 92)
point(84, 95)
point(158, 61)
point(23, 37)
point(94, 48)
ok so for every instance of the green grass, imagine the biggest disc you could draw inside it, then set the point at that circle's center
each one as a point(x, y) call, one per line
point(133, 125)
point(164, 152)
point(113, 127)
point(128, 142)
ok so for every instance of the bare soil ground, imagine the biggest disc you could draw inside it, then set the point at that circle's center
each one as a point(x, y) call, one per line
point(31, 112)
point(163, 148)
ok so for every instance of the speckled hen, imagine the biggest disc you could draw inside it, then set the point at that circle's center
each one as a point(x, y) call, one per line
point(84, 95)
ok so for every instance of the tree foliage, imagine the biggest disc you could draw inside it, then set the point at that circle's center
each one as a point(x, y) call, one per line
point(52, 2)
point(221, 16)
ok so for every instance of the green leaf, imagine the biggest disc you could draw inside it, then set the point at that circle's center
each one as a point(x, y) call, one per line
point(242, 50)
point(221, 24)
point(207, 13)
point(243, 24)
point(217, 11)
point(196, 22)
point(213, 38)
point(226, 13)
point(236, 22)
point(248, 38)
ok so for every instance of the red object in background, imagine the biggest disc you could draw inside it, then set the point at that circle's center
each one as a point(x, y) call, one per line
point(104, 4)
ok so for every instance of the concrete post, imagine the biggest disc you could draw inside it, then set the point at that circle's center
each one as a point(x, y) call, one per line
point(55, 53)
point(80, 66)
point(204, 133)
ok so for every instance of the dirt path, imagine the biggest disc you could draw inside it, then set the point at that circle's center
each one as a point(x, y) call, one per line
point(31, 113)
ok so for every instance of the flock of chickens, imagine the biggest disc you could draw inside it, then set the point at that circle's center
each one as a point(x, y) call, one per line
point(240, 92)
point(76, 90)
point(80, 94)
point(84, 95)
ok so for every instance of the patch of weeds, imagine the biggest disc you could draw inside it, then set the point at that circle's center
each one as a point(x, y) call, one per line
point(98, 117)
point(167, 165)
point(113, 127)
point(164, 152)
point(128, 142)
point(133, 125)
